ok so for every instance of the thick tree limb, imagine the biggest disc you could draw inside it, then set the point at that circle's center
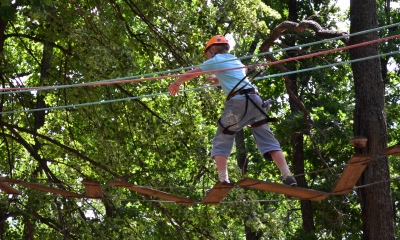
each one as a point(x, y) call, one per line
point(300, 27)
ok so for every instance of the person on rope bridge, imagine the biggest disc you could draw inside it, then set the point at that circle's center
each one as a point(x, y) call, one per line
point(237, 113)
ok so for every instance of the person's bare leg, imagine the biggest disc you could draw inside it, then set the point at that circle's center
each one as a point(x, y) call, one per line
point(221, 162)
point(280, 161)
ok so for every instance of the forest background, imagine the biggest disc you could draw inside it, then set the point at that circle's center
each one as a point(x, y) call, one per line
point(84, 97)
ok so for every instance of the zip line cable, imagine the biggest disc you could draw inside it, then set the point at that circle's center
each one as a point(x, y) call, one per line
point(136, 78)
point(192, 89)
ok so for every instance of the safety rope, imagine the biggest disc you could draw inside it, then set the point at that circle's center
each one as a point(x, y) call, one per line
point(136, 79)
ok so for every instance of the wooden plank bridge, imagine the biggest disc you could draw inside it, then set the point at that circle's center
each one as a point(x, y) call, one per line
point(93, 189)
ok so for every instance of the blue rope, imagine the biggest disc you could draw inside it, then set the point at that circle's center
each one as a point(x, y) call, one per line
point(193, 89)
point(190, 67)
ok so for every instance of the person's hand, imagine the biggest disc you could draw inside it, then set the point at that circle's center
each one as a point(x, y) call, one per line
point(173, 89)
point(212, 79)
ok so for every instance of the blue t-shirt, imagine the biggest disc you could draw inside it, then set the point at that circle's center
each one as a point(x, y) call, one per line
point(229, 78)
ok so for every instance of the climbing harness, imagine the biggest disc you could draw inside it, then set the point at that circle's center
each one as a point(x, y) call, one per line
point(246, 92)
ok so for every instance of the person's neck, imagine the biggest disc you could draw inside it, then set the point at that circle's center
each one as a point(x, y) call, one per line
point(216, 54)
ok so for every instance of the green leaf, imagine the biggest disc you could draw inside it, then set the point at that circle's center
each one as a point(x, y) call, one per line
point(7, 13)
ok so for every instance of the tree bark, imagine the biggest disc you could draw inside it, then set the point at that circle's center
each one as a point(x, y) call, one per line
point(370, 121)
point(242, 159)
point(241, 152)
point(297, 139)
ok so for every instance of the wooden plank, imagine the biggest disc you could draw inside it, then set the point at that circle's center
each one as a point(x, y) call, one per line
point(394, 150)
point(219, 191)
point(302, 193)
point(351, 174)
point(152, 192)
point(40, 187)
point(8, 189)
point(92, 189)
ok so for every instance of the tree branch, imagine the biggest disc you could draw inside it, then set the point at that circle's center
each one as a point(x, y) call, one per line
point(300, 27)
point(36, 39)
point(55, 142)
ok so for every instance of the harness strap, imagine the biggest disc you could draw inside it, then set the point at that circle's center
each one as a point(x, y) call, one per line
point(251, 100)
point(256, 124)
point(246, 92)
point(226, 129)
point(264, 121)
point(234, 91)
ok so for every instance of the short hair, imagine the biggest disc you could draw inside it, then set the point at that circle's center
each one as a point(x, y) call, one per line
point(221, 48)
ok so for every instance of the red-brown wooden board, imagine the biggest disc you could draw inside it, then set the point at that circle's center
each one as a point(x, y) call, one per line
point(40, 187)
point(92, 189)
point(8, 189)
point(351, 174)
point(217, 193)
point(302, 193)
point(152, 192)
point(394, 150)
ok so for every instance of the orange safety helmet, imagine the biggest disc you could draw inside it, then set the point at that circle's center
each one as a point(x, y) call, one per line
point(218, 39)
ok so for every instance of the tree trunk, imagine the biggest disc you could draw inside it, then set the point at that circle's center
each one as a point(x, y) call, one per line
point(242, 160)
point(297, 140)
point(370, 121)
point(241, 151)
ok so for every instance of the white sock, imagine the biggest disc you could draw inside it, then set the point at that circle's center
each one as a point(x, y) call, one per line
point(223, 175)
point(285, 171)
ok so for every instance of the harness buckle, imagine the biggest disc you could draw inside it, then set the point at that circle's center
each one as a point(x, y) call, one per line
point(267, 104)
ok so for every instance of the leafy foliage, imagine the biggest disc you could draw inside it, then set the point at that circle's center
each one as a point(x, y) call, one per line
point(155, 140)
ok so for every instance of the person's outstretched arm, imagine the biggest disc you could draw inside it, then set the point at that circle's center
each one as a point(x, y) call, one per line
point(174, 87)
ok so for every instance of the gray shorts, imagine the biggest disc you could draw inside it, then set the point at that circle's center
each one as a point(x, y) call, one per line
point(236, 117)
